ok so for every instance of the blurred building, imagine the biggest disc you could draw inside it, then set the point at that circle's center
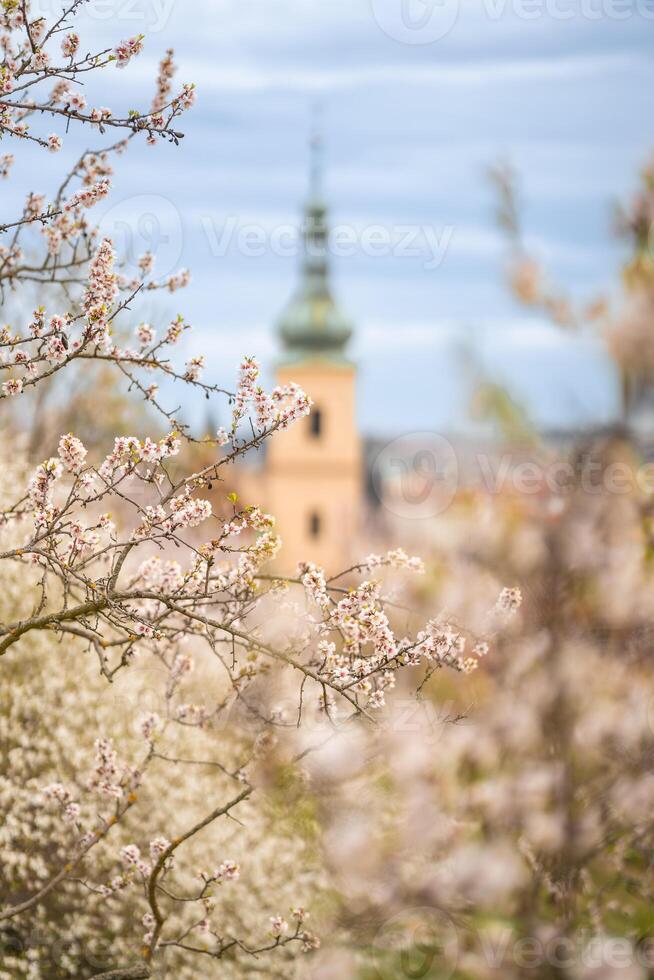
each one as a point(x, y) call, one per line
point(312, 479)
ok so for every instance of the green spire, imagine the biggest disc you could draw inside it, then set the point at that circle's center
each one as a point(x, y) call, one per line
point(312, 325)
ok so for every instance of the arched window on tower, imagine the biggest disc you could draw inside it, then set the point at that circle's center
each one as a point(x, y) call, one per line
point(315, 423)
point(314, 525)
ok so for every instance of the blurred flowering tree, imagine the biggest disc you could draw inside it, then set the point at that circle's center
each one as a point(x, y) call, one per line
point(631, 337)
point(625, 320)
point(118, 559)
point(504, 830)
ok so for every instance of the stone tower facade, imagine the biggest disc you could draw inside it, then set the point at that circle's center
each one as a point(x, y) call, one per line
point(314, 470)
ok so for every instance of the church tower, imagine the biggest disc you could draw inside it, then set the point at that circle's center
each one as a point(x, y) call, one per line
point(314, 469)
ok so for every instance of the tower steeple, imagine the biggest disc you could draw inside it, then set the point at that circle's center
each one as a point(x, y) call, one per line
point(316, 159)
point(314, 470)
point(312, 326)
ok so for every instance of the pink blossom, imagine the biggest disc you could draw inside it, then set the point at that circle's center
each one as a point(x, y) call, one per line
point(41, 486)
point(150, 724)
point(6, 80)
point(70, 44)
point(13, 386)
point(126, 50)
point(55, 350)
point(72, 452)
point(6, 161)
point(157, 848)
point(101, 290)
point(228, 871)
point(76, 101)
point(130, 855)
point(194, 368)
point(89, 196)
point(278, 925)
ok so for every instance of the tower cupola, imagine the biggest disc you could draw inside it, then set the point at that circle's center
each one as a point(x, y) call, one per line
point(312, 325)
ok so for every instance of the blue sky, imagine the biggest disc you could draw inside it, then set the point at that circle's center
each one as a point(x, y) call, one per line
point(410, 129)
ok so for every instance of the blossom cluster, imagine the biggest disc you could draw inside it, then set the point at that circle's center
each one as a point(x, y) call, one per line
point(370, 653)
point(277, 410)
